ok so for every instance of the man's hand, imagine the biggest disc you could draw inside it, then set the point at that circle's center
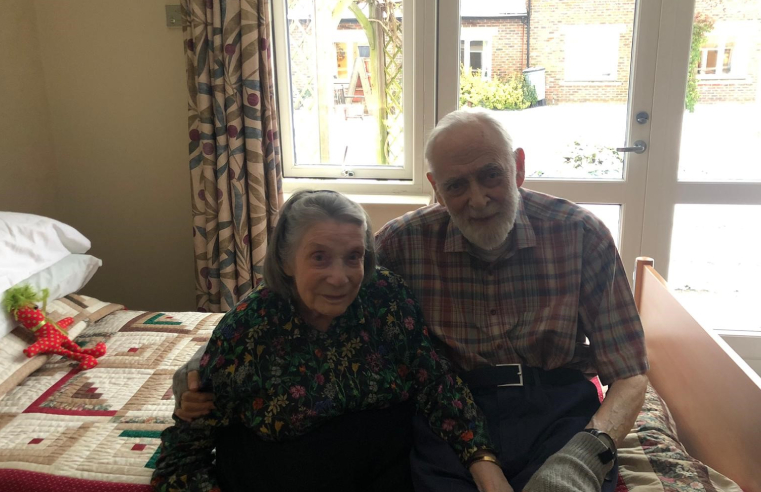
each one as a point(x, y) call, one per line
point(489, 477)
point(193, 403)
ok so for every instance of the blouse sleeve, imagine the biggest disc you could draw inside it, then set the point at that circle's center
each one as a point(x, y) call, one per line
point(186, 461)
point(441, 396)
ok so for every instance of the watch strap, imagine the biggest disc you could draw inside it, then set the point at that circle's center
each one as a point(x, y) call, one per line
point(610, 453)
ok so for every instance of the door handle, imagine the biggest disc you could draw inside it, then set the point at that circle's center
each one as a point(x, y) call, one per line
point(639, 147)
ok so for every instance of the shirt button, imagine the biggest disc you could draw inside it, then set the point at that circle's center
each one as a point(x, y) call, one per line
point(500, 346)
point(490, 273)
point(493, 312)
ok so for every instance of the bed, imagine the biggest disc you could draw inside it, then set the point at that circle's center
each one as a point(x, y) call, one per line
point(68, 430)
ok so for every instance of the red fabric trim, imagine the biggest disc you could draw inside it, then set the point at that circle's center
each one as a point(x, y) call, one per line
point(27, 481)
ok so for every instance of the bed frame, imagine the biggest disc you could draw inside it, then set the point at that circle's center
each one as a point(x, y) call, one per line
point(713, 395)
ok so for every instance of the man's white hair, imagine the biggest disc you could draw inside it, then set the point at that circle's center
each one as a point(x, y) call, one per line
point(466, 117)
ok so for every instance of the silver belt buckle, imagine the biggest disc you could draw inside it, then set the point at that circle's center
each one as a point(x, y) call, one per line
point(520, 375)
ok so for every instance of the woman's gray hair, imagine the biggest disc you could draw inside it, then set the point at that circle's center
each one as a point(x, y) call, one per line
point(466, 117)
point(304, 209)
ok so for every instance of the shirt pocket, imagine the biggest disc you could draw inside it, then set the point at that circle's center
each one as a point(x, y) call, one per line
point(546, 337)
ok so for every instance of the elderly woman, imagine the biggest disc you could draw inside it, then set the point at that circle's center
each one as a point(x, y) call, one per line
point(317, 372)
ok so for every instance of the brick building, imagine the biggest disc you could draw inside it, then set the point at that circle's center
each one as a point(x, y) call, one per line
point(585, 46)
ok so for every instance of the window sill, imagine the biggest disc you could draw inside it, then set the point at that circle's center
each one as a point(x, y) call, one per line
point(383, 208)
point(419, 200)
point(368, 187)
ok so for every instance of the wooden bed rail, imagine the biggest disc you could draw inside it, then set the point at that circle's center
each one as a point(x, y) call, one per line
point(713, 395)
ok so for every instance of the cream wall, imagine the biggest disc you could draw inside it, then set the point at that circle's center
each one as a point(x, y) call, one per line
point(115, 81)
point(27, 161)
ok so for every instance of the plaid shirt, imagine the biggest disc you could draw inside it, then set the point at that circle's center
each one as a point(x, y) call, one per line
point(556, 297)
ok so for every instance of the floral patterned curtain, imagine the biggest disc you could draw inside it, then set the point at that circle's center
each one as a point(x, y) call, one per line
point(235, 175)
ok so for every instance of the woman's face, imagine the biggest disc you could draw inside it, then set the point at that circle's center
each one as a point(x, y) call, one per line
point(327, 270)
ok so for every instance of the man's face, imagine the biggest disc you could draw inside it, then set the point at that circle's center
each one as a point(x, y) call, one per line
point(477, 184)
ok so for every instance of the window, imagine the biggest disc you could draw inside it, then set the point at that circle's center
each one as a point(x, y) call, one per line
point(724, 53)
point(591, 52)
point(341, 89)
point(475, 50)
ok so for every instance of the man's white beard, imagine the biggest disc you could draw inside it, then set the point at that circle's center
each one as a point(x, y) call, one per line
point(492, 234)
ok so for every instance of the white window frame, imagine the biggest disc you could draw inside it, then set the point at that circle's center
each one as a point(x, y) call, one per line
point(740, 30)
point(578, 38)
point(485, 35)
point(418, 24)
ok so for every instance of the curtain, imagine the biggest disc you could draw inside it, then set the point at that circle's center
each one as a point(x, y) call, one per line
point(236, 182)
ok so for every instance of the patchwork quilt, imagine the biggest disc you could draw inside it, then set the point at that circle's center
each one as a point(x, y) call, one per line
point(102, 424)
point(99, 430)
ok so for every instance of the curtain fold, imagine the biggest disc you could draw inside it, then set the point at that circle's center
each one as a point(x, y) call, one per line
point(234, 147)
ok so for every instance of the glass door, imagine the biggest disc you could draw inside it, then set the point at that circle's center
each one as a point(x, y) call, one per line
point(703, 223)
point(574, 88)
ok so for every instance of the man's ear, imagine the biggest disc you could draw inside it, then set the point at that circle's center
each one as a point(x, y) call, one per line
point(520, 166)
point(431, 180)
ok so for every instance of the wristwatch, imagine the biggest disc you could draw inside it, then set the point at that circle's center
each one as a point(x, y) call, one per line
point(609, 454)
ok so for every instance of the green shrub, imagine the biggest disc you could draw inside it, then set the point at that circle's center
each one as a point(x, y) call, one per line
point(701, 26)
point(513, 92)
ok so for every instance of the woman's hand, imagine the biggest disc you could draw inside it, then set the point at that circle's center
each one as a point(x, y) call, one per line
point(489, 477)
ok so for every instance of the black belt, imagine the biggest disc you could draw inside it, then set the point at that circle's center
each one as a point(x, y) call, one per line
point(508, 375)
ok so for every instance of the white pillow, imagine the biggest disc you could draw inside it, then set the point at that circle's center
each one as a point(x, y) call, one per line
point(61, 279)
point(31, 243)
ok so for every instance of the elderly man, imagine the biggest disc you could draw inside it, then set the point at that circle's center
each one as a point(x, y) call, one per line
point(514, 283)
point(527, 294)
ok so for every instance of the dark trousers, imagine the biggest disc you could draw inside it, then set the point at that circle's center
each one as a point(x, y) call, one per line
point(360, 451)
point(526, 424)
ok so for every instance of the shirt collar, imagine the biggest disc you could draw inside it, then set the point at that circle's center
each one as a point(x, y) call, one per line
point(521, 236)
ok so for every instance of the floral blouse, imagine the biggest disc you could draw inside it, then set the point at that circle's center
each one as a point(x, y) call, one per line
point(275, 374)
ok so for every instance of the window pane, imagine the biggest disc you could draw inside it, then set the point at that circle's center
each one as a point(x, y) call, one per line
point(711, 61)
point(475, 61)
point(721, 129)
point(610, 215)
point(727, 66)
point(558, 79)
point(715, 266)
point(347, 98)
point(341, 61)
